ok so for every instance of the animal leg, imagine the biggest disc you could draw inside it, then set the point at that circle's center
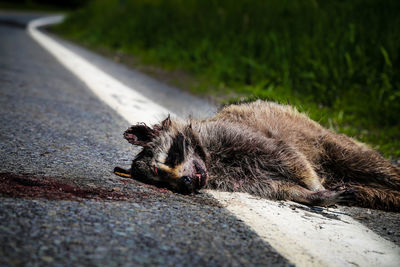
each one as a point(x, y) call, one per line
point(350, 161)
point(375, 196)
point(295, 165)
point(322, 198)
point(374, 180)
point(269, 160)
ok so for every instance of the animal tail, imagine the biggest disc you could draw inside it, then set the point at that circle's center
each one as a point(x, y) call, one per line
point(374, 196)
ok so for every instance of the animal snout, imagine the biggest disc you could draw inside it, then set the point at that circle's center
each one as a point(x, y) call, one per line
point(186, 185)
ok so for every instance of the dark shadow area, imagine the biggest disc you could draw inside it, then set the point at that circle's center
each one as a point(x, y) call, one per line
point(12, 23)
point(42, 4)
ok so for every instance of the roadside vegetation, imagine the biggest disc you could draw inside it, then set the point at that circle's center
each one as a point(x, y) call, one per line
point(337, 60)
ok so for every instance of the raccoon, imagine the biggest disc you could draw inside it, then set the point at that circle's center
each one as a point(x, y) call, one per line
point(265, 149)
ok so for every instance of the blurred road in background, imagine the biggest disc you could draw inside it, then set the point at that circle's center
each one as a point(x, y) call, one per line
point(56, 132)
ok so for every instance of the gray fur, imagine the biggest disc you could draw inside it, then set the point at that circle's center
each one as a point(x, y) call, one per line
point(272, 151)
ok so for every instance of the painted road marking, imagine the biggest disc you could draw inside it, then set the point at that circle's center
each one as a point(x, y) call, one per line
point(131, 105)
point(304, 238)
point(311, 239)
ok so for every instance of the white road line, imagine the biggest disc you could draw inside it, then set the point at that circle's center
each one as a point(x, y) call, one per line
point(310, 239)
point(304, 238)
point(133, 106)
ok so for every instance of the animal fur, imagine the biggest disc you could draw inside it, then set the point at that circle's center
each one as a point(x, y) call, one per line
point(265, 149)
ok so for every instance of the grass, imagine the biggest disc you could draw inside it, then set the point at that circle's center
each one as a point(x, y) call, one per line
point(337, 60)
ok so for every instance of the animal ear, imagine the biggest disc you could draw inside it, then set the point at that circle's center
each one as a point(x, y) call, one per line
point(139, 134)
point(163, 126)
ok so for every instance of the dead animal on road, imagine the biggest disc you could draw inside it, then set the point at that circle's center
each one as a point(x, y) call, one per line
point(268, 150)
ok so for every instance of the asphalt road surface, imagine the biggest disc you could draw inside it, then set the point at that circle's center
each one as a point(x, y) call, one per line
point(61, 204)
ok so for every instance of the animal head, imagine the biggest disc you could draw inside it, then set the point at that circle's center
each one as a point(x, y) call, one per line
point(172, 154)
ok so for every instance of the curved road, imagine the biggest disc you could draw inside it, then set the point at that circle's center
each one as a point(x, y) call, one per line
point(56, 132)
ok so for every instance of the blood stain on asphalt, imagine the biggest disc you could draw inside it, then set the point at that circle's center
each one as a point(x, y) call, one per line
point(27, 186)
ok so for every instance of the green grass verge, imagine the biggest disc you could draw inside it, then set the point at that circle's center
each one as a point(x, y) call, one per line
point(337, 60)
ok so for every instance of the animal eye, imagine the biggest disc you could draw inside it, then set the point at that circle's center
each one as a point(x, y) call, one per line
point(176, 153)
